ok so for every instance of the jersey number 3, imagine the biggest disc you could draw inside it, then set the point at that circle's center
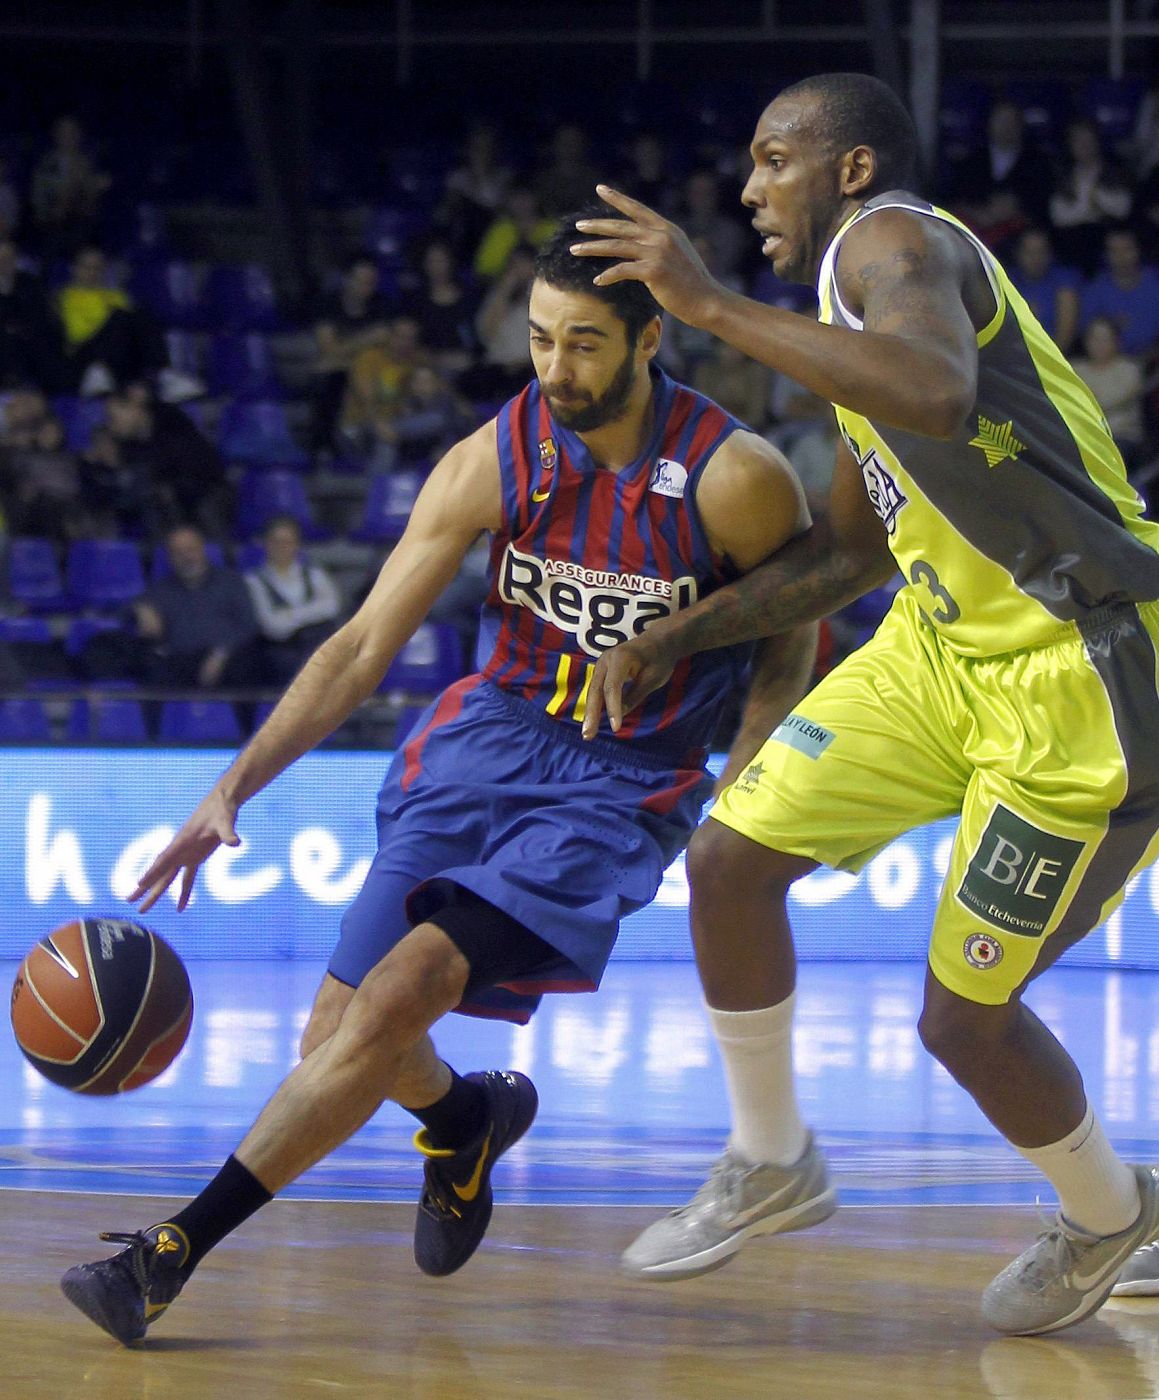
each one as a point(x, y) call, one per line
point(946, 610)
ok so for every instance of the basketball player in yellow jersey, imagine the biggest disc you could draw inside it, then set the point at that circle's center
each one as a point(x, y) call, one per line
point(1013, 682)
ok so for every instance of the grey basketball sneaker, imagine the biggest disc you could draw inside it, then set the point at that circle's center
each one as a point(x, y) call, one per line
point(1066, 1274)
point(1140, 1276)
point(737, 1201)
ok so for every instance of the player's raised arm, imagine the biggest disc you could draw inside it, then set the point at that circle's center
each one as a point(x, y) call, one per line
point(460, 499)
point(913, 367)
point(837, 559)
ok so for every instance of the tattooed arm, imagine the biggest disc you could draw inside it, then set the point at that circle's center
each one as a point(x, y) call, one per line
point(842, 556)
point(916, 283)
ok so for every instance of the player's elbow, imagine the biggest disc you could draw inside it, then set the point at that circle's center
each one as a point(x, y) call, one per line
point(946, 410)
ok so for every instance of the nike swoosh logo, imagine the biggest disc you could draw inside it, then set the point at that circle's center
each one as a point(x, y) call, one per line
point(743, 1217)
point(1087, 1283)
point(471, 1189)
point(58, 957)
point(153, 1310)
point(540, 495)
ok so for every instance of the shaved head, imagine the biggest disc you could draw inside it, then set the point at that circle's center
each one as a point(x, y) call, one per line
point(844, 110)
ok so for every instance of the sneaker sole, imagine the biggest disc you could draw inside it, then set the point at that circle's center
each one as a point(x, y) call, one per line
point(799, 1217)
point(92, 1305)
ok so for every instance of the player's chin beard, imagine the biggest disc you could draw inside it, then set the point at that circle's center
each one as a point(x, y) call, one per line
point(586, 418)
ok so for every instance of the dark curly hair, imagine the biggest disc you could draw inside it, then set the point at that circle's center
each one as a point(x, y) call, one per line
point(558, 266)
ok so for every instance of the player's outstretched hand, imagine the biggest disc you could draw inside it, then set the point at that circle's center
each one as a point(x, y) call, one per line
point(624, 676)
point(652, 250)
point(210, 826)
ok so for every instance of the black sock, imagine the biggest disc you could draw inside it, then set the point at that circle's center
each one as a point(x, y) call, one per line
point(456, 1118)
point(231, 1197)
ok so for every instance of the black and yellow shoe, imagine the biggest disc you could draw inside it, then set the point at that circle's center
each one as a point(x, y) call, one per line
point(455, 1207)
point(129, 1292)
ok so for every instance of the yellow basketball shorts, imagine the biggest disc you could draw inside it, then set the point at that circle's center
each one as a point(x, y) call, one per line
point(1050, 755)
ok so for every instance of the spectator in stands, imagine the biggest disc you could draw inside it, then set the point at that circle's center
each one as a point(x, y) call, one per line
point(378, 382)
point(107, 340)
point(115, 493)
point(521, 221)
point(502, 327)
point(474, 193)
point(568, 178)
point(645, 174)
point(1007, 177)
point(28, 339)
point(295, 602)
point(1116, 380)
point(348, 322)
point(683, 347)
point(428, 419)
point(1051, 291)
point(740, 385)
point(67, 189)
point(199, 622)
point(39, 481)
point(1091, 193)
point(179, 468)
point(444, 310)
point(707, 225)
point(1145, 143)
point(10, 203)
point(1127, 292)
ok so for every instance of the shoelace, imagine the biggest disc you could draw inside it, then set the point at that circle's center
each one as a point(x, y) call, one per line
point(138, 1244)
point(723, 1187)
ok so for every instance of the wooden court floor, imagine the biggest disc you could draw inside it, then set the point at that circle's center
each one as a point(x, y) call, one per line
point(318, 1299)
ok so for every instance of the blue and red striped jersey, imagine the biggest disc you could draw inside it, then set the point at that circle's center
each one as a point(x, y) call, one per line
point(588, 557)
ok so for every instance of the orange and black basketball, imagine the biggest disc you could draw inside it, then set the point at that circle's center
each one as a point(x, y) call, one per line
point(101, 1005)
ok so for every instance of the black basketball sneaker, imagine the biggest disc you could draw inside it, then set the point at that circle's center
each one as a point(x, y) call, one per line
point(455, 1207)
point(129, 1292)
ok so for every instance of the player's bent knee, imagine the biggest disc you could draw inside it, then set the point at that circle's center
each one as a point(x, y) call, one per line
point(329, 1005)
point(960, 1033)
point(721, 863)
point(418, 981)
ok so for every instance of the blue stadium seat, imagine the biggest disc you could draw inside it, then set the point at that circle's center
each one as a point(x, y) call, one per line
point(242, 298)
point(23, 721)
point(390, 232)
point(184, 352)
point(173, 289)
point(962, 114)
point(264, 494)
point(109, 719)
point(429, 662)
point(34, 578)
point(258, 431)
point(389, 502)
point(105, 573)
point(242, 366)
point(81, 629)
point(79, 417)
point(1046, 106)
point(199, 722)
point(25, 629)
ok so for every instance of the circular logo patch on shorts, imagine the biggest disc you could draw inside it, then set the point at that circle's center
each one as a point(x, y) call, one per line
point(982, 951)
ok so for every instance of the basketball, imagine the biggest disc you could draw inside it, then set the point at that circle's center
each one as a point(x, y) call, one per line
point(101, 1005)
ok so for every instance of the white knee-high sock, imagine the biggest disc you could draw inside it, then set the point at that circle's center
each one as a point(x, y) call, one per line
point(1097, 1190)
point(757, 1050)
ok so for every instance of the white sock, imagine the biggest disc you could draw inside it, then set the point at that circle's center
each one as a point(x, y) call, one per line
point(1097, 1190)
point(757, 1050)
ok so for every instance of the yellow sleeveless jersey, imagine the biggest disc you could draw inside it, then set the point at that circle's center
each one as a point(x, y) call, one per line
point(1024, 525)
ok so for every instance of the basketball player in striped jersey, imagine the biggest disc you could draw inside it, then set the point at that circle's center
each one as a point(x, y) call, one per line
point(1013, 682)
point(509, 849)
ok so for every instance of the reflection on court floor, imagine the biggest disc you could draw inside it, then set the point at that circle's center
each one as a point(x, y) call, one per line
point(632, 1099)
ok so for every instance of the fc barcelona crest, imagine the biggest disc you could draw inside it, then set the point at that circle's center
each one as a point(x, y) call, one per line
point(547, 454)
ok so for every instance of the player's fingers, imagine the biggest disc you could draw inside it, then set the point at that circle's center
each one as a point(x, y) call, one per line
point(226, 833)
point(595, 702)
point(611, 247)
point(614, 699)
point(188, 875)
point(621, 272)
point(153, 890)
point(632, 207)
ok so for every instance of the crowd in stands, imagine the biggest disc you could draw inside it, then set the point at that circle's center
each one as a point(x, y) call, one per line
point(237, 465)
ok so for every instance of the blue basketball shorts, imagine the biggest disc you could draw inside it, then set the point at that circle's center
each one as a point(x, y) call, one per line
point(493, 796)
